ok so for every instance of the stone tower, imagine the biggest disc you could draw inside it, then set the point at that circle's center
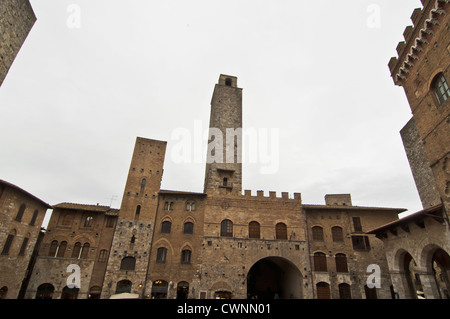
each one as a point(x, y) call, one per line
point(224, 157)
point(129, 255)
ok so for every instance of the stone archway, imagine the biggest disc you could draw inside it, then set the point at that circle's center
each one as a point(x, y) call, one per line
point(408, 283)
point(436, 262)
point(274, 278)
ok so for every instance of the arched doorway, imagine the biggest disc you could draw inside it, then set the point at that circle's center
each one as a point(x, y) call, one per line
point(123, 286)
point(3, 292)
point(274, 278)
point(182, 290)
point(69, 293)
point(45, 291)
point(159, 289)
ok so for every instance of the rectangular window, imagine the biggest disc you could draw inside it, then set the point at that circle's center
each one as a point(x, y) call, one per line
point(109, 221)
point(361, 243)
point(357, 224)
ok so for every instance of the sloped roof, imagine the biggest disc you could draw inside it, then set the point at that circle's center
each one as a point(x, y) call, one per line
point(416, 216)
point(17, 188)
point(86, 207)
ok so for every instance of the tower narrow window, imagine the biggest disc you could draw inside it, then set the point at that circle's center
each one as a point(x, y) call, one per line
point(228, 82)
point(138, 212)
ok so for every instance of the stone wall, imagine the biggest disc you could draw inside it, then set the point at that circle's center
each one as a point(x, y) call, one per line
point(16, 20)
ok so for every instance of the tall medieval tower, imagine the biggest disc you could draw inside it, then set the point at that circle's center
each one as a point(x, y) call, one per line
point(130, 249)
point(224, 157)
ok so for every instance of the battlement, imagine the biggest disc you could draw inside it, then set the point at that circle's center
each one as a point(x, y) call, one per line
point(418, 37)
point(260, 195)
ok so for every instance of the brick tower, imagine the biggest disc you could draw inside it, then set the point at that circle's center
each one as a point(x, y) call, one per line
point(129, 255)
point(224, 157)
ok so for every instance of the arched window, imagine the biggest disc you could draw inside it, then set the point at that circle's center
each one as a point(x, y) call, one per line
point(144, 181)
point(61, 249)
point(34, 217)
point(254, 230)
point(323, 290)
point(53, 248)
point(165, 227)
point(128, 263)
point(281, 231)
point(188, 228)
point(20, 212)
point(76, 250)
point(341, 263)
point(161, 255)
point(345, 291)
point(85, 251)
point(320, 262)
point(226, 228)
point(186, 256)
point(336, 233)
point(138, 212)
point(441, 89)
point(317, 233)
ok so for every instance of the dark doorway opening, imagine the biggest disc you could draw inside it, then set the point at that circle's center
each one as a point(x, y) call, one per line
point(274, 278)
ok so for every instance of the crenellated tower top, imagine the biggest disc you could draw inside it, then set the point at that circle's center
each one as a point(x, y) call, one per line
point(418, 37)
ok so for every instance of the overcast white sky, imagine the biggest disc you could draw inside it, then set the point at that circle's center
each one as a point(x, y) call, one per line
point(75, 99)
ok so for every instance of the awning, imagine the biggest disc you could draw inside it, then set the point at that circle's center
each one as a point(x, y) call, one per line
point(125, 295)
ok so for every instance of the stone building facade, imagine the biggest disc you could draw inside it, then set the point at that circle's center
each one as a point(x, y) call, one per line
point(21, 217)
point(16, 20)
point(78, 235)
point(417, 247)
point(221, 243)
